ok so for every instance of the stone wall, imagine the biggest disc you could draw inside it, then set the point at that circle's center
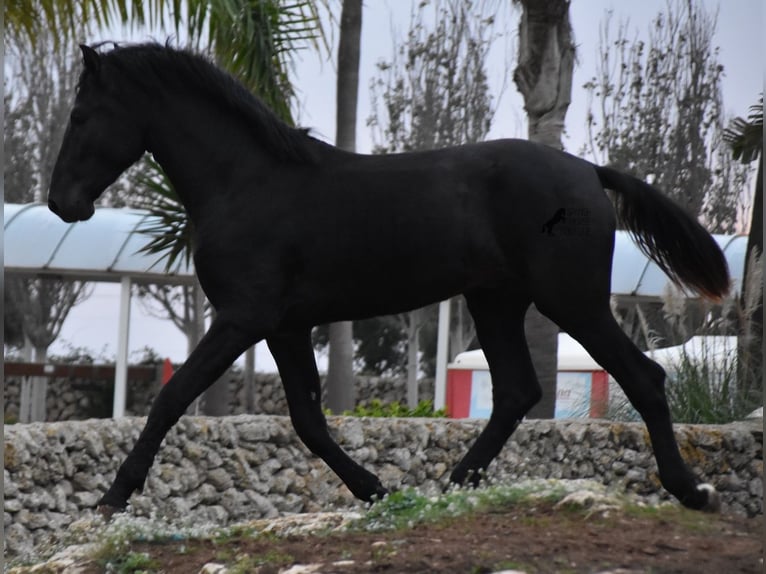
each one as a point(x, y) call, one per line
point(76, 399)
point(68, 399)
point(229, 469)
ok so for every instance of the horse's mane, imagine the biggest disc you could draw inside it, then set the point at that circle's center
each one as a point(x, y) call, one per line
point(153, 65)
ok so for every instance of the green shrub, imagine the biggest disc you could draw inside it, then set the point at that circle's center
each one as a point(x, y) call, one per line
point(376, 408)
point(704, 389)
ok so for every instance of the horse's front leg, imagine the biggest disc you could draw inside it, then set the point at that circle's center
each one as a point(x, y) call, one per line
point(222, 344)
point(294, 356)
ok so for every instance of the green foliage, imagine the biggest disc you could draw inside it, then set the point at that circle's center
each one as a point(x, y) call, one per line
point(170, 230)
point(702, 388)
point(745, 137)
point(256, 41)
point(134, 563)
point(707, 382)
point(115, 556)
point(380, 346)
point(376, 408)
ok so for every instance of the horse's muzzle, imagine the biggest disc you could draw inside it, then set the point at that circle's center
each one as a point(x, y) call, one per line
point(79, 211)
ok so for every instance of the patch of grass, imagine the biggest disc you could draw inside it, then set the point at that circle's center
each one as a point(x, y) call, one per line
point(117, 562)
point(246, 564)
point(691, 520)
point(407, 507)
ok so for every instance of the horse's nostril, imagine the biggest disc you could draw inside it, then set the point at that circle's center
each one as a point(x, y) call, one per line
point(53, 207)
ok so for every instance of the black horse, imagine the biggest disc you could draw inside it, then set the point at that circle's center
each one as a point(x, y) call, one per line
point(291, 232)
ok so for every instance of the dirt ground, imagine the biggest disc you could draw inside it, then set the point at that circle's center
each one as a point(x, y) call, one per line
point(531, 538)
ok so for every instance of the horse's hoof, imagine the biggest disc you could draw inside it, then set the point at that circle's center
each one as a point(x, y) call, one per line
point(713, 503)
point(106, 511)
point(380, 493)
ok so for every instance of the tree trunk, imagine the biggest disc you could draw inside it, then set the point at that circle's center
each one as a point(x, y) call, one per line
point(544, 78)
point(196, 333)
point(32, 402)
point(413, 352)
point(750, 350)
point(546, 64)
point(249, 380)
point(215, 400)
point(340, 386)
point(216, 403)
point(462, 329)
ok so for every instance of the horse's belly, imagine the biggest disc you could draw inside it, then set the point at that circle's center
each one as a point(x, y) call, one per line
point(385, 288)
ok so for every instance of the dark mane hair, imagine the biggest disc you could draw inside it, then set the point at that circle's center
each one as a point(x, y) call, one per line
point(153, 64)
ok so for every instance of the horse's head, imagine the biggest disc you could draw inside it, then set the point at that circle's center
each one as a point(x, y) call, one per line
point(103, 139)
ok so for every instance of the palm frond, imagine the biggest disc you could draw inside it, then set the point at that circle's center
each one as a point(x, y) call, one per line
point(745, 137)
point(65, 18)
point(168, 225)
point(256, 41)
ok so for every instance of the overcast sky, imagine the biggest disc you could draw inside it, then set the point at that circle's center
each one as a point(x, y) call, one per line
point(93, 324)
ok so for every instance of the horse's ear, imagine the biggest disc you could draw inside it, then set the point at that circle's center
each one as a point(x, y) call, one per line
point(91, 59)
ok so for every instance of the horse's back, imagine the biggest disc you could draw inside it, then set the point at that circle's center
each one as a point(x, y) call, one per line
point(454, 219)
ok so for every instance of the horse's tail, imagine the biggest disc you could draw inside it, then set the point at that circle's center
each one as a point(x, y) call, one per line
point(682, 248)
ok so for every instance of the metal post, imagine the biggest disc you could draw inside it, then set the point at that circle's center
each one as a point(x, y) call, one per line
point(442, 349)
point(121, 368)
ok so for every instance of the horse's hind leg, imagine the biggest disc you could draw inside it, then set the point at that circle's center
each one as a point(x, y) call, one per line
point(643, 381)
point(499, 319)
point(294, 356)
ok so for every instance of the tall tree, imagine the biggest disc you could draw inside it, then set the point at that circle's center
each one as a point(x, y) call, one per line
point(340, 368)
point(746, 140)
point(544, 77)
point(434, 93)
point(657, 112)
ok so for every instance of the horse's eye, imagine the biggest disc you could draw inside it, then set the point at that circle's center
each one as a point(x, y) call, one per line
point(77, 116)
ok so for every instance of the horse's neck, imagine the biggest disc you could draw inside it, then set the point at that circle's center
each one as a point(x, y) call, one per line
point(200, 149)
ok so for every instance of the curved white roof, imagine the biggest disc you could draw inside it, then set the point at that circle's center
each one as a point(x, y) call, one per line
point(716, 349)
point(572, 356)
point(107, 246)
point(104, 248)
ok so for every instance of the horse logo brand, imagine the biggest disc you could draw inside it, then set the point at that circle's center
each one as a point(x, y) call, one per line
point(568, 222)
point(558, 217)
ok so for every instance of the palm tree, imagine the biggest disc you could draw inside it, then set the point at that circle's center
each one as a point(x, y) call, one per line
point(544, 77)
point(340, 374)
point(746, 140)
